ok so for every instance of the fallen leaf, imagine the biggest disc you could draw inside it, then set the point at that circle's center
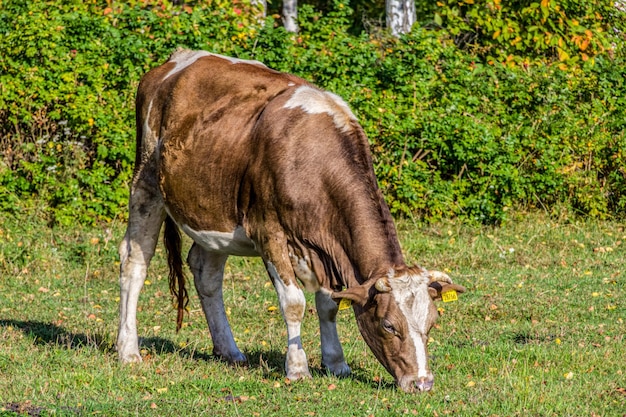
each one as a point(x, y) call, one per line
point(331, 387)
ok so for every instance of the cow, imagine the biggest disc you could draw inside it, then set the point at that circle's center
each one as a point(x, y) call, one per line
point(249, 161)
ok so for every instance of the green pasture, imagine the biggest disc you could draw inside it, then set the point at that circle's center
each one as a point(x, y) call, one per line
point(540, 331)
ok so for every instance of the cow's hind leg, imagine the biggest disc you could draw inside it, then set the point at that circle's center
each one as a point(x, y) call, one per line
point(136, 250)
point(208, 273)
point(332, 352)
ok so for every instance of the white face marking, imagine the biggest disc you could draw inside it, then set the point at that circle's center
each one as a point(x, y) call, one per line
point(314, 101)
point(235, 243)
point(184, 57)
point(410, 293)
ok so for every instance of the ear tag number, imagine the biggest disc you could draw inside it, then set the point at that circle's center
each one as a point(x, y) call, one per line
point(448, 296)
point(344, 304)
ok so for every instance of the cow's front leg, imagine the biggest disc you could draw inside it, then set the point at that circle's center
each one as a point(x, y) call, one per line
point(332, 352)
point(208, 273)
point(292, 305)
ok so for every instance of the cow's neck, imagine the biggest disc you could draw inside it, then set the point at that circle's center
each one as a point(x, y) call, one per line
point(364, 246)
point(375, 248)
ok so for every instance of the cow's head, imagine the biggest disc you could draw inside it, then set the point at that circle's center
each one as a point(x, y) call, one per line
point(395, 313)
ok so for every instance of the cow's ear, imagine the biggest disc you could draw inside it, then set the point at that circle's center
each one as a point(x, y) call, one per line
point(436, 288)
point(357, 294)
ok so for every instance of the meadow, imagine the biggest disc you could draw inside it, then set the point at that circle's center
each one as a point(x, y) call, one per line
point(540, 331)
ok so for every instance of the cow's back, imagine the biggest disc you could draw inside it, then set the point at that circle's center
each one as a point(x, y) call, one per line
point(204, 108)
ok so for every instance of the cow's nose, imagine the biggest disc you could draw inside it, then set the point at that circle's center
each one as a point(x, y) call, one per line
point(424, 384)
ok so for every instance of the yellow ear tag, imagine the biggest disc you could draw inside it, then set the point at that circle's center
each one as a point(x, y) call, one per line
point(449, 296)
point(344, 304)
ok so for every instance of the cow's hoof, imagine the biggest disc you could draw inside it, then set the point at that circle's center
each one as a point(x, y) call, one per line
point(240, 363)
point(296, 365)
point(235, 359)
point(294, 376)
point(130, 358)
point(340, 370)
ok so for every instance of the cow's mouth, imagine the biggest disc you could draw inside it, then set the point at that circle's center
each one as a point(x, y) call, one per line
point(413, 384)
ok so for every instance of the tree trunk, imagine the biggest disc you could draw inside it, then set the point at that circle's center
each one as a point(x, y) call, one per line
point(260, 7)
point(400, 16)
point(290, 15)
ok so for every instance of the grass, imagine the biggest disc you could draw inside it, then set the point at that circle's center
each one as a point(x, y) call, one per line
point(540, 331)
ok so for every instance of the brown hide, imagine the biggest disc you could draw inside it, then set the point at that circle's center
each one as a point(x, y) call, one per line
point(231, 154)
point(237, 146)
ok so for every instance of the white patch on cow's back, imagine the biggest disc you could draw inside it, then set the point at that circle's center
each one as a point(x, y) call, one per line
point(411, 295)
point(185, 57)
point(235, 243)
point(315, 101)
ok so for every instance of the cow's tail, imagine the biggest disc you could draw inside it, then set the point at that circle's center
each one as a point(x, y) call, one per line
point(173, 246)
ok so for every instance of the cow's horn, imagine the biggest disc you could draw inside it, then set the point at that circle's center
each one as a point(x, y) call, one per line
point(382, 285)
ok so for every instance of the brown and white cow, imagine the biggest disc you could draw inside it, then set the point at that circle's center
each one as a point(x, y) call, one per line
point(249, 161)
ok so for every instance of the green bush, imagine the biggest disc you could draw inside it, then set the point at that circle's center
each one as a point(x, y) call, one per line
point(453, 133)
point(570, 31)
point(69, 71)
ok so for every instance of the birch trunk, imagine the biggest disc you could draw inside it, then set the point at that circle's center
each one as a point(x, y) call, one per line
point(290, 15)
point(260, 7)
point(400, 16)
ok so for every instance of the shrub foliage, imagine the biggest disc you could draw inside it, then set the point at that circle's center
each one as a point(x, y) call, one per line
point(454, 131)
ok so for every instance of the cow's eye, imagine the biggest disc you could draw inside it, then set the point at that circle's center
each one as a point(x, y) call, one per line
point(388, 327)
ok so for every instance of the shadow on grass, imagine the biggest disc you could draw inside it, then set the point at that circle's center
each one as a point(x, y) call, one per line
point(271, 362)
point(50, 334)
